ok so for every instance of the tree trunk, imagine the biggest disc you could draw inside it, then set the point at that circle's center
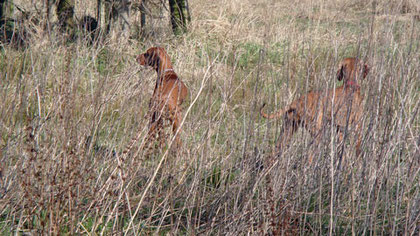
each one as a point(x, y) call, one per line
point(179, 15)
point(46, 22)
point(3, 4)
point(7, 24)
point(109, 15)
point(123, 12)
point(6, 10)
point(2, 11)
point(142, 16)
point(117, 18)
point(98, 12)
point(65, 13)
point(11, 31)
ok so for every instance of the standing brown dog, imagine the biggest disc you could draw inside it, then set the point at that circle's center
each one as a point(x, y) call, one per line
point(344, 104)
point(168, 95)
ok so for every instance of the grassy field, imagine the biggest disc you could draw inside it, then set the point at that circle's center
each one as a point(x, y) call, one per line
point(68, 111)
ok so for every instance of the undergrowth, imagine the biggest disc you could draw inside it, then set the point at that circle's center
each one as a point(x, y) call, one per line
point(68, 112)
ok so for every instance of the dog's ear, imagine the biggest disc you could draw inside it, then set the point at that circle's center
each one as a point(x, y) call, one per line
point(365, 70)
point(152, 58)
point(340, 73)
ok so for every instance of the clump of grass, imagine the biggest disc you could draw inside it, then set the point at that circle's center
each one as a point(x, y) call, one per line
point(74, 118)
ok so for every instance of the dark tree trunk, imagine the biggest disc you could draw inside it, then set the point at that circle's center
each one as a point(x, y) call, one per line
point(142, 16)
point(2, 11)
point(109, 15)
point(46, 22)
point(11, 32)
point(179, 15)
point(7, 23)
point(6, 9)
point(2, 19)
point(65, 13)
point(98, 12)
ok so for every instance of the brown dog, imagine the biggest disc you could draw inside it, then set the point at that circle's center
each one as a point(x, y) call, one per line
point(169, 92)
point(310, 110)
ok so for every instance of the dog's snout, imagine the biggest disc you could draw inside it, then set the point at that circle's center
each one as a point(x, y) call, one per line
point(140, 59)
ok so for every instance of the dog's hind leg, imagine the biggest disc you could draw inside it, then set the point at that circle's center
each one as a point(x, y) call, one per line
point(175, 126)
point(155, 127)
point(290, 126)
point(161, 133)
point(358, 139)
point(316, 132)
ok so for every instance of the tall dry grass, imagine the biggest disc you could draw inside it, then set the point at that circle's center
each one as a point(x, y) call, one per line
point(68, 112)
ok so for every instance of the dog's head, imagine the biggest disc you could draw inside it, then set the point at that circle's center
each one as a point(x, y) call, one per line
point(153, 57)
point(351, 69)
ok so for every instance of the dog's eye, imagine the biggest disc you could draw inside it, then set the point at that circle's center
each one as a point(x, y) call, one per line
point(146, 54)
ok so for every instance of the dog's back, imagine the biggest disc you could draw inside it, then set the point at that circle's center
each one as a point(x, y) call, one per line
point(173, 87)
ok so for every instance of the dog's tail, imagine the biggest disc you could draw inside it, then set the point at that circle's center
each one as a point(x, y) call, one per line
point(276, 115)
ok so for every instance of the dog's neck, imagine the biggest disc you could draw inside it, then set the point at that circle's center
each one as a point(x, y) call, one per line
point(161, 73)
point(163, 66)
point(162, 69)
point(167, 70)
